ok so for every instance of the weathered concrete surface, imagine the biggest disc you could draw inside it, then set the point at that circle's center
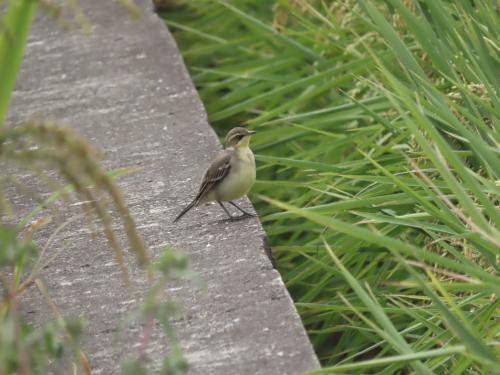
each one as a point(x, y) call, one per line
point(126, 89)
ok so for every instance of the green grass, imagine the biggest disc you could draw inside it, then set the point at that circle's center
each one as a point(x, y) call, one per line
point(15, 26)
point(378, 167)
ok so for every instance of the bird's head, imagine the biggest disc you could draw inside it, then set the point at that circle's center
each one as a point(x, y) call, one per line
point(238, 137)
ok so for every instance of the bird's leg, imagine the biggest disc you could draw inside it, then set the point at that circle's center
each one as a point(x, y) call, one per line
point(225, 209)
point(241, 209)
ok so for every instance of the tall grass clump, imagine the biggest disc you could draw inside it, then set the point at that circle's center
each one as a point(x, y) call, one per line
point(378, 167)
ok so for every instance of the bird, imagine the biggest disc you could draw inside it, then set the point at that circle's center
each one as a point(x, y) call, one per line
point(230, 176)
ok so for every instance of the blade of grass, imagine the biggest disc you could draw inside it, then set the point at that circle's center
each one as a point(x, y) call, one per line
point(14, 31)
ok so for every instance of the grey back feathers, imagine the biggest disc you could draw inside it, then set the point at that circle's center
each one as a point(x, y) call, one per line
point(235, 135)
point(215, 173)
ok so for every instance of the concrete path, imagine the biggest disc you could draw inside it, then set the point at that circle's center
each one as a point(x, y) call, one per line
point(125, 88)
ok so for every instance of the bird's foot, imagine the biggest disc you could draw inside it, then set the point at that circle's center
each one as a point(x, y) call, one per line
point(245, 213)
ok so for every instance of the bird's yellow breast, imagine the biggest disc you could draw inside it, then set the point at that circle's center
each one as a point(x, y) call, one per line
point(240, 178)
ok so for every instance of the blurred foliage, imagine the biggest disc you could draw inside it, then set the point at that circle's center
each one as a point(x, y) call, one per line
point(64, 164)
point(170, 266)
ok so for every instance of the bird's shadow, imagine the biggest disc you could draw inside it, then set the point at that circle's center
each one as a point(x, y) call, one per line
point(222, 221)
point(235, 218)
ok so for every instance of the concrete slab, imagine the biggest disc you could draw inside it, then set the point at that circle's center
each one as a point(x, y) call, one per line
point(125, 88)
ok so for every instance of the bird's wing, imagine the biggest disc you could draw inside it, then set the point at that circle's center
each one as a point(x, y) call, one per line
point(215, 173)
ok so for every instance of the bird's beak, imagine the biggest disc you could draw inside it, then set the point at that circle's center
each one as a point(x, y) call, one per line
point(251, 132)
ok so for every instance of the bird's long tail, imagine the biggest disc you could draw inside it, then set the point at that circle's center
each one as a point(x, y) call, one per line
point(185, 210)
